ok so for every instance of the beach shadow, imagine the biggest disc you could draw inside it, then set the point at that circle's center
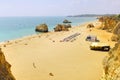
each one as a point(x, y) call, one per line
point(97, 50)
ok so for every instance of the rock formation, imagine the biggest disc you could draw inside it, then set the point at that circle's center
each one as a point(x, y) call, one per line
point(42, 28)
point(111, 64)
point(116, 32)
point(114, 37)
point(5, 72)
point(90, 26)
point(61, 27)
point(67, 25)
point(108, 22)
point(66, 21)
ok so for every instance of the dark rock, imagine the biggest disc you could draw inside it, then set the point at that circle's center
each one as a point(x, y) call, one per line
point(67, 25)
point(42, 28)
point(90, 26)
point(60, 27)
point(51, 74)
point(66, 21)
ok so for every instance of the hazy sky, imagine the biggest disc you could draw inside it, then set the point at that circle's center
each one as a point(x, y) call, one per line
point(57, 7)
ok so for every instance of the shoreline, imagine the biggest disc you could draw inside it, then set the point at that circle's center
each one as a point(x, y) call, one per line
point(27, 27)
point(39, 34)
point(38, 56)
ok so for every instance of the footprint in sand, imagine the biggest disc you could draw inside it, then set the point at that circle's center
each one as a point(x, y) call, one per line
point(34, 65)
point(25, 44)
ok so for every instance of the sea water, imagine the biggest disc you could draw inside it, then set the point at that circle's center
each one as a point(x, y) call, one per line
point(17, 27)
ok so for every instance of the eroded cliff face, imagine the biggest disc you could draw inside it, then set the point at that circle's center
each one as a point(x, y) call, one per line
point(5, 72)
point(111, 64)
point(116, 33)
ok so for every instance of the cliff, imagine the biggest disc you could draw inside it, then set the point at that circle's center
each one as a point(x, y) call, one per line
point(5, 72)
point(111, 64)
point(116, 32)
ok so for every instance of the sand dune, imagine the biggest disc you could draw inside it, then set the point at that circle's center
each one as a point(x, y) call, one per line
point(45, 57)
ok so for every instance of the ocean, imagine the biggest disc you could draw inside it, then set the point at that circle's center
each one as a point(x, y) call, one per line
point(17, 27)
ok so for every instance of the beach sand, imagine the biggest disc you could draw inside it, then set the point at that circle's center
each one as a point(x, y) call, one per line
point(48, 57)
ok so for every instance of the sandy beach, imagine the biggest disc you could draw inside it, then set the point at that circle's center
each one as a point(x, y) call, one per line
point(49, 56)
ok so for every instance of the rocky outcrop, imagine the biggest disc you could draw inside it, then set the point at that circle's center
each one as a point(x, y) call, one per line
point(111, 64)
point(42, 28)
point(62, 27)
point(66, 21)
point(5, 72)
point(116, 29)
point(116, 32)
point(90, 26)
point(67, 25)
point(114, 37)
point(108, 22)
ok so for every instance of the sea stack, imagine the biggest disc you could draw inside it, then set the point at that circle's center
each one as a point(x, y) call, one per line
point(66, 21)
point(42, 28)
point(60, 27)
point(67, 25)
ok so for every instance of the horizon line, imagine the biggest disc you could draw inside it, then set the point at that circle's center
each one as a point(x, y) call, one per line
point(62, 15)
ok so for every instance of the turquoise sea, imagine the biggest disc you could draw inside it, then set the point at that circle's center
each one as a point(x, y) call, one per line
point(16, 27)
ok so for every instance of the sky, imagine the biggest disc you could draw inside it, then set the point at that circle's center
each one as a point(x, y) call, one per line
point(58, 7)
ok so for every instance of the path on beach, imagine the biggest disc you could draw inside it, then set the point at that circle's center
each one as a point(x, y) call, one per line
point(41, 58)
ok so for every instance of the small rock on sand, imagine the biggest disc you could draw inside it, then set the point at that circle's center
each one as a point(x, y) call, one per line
point(25, 44)
point(51, 74)
point(4, 45)
point(53, 40)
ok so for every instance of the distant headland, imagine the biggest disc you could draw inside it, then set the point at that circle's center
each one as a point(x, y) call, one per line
point(91, 15)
